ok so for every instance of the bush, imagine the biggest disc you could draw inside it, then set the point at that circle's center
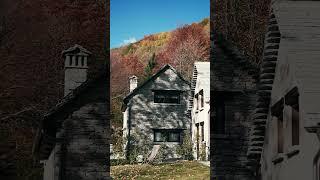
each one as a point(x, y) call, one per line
point(116, 162)
point(136, 148)
point(162, 154)
point(185, 149)
point(203, 152)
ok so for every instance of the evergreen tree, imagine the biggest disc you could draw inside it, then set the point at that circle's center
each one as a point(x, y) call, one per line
point(150, 66)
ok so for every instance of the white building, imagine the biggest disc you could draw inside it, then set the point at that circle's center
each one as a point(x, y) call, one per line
point(200, 110)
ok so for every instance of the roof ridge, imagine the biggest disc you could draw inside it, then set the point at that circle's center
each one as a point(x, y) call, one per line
point(164, 68)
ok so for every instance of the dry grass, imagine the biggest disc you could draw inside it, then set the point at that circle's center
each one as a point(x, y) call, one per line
point(184, 170)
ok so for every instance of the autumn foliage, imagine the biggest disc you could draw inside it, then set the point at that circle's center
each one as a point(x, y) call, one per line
point(243, 23)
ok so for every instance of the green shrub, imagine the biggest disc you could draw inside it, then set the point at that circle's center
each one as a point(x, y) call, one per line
point(162, 154)
point(136, 148)
point(185, 149)
point(203, 152)
point(116, 162)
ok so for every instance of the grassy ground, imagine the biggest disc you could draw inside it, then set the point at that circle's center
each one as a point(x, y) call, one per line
point(186, 170)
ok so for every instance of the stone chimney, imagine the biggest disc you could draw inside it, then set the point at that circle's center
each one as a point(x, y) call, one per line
point(133, 81)
point(75, 67)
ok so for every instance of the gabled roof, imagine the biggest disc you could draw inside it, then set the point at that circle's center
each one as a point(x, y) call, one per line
point(163, 69)
point(54, 118)
point(220, 42)
point(76, 48)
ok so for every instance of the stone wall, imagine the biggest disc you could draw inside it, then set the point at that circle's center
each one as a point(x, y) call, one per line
point(84, 150)
point(233, 79)
point(145, 115)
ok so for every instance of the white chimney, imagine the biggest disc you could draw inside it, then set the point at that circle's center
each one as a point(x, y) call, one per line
point(75, 67)
point(133, 81)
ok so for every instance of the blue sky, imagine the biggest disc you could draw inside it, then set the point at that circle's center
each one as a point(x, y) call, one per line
point(131, 20)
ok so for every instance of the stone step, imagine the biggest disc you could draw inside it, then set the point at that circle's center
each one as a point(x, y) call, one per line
point(273, 34)
point(265, 87)
point(266, 81)
point(273, 27)
point(270, 58)
point(268, 70)
point(259, 116)
point(260, 110)
point(260, 121)
point(267, 76)
point(273, 40)
point(268, 64)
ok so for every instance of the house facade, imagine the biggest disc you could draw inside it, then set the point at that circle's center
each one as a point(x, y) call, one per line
point(233, 86)
point(291, 148)
point(155, 113)
point(200, 110)
point(72, 140)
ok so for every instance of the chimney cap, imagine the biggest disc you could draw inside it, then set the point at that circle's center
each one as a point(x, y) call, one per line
point(76, 49)
point(133, 77)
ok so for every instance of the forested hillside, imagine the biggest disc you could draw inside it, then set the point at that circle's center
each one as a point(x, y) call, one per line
point(180, 48)
point(243, 22)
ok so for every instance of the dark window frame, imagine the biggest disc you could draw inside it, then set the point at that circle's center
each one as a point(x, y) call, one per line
point(197, 101)
point(277, 111)
point(292, 100)
point(167, 96)
point(202, 131)
point(201, 98)
point(166, 134)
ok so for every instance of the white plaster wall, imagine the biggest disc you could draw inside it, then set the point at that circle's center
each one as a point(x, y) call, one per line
point(48, 167)
point(203, 114)
point(298, 65)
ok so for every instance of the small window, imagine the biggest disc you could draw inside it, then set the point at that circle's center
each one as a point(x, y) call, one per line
point(202, 131)
point(196, 101)
point(292, 99)
point(167, 135)
point(280, 134)
point(167, 96)
point(77, 61)
point(201, 99)
point(82, 61)
point(70, 61)
point(277, 111)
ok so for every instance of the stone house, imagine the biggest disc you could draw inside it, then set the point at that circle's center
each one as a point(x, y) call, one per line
point(200, 110)
point(72, 140)
point(233, 87)
point(291, 147)
point(155, 113)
